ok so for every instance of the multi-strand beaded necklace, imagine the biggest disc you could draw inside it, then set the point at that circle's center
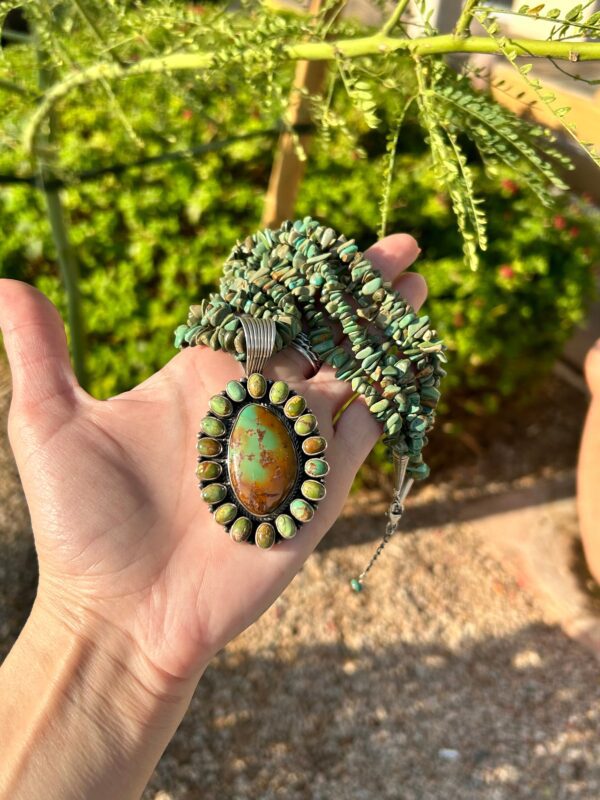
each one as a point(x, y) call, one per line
point(262, 464)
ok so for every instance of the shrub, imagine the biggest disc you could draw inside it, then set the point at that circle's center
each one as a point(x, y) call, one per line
point(151, 240)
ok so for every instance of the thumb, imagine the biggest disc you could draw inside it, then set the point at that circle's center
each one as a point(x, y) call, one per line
point(36, 346)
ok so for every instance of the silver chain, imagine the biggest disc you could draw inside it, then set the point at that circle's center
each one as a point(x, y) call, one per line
point(401, 489)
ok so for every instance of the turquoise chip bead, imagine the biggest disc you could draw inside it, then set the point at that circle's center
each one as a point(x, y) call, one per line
point(180, 333)
point(371, 286)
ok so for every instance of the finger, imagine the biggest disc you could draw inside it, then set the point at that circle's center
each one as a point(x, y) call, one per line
point(289, 365)
point(36, 346)
point(592, 369)
point(413, 287)
point(393, 254)
point(356, 434)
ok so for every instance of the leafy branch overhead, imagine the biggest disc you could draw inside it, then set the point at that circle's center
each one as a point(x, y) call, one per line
point(90, 48)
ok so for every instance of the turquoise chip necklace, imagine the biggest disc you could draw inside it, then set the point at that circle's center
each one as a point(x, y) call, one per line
point(277, 284)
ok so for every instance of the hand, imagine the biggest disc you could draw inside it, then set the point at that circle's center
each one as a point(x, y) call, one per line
point(121, 532)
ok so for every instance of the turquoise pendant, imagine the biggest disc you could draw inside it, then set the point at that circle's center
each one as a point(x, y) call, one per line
point(261, 460)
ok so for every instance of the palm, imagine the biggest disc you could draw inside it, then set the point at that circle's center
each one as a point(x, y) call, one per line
point(119, 525)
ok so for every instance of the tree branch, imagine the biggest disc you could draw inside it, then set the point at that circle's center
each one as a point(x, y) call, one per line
point(312, 51)
point(464, 21)
point(391, 23)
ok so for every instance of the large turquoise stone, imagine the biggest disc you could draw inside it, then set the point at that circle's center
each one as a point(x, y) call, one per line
point(261, 459)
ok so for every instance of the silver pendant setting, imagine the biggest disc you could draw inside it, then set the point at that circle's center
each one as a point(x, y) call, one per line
point(261, 464)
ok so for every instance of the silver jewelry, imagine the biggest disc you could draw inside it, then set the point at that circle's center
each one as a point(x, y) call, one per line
point(261, 463)
point(402, 486)
point(302, 344)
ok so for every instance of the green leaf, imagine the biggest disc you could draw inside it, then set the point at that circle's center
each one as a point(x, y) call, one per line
point(388, 172)
point(593, 20)
point(359, 91)
point(575, 14)
point(545, 96)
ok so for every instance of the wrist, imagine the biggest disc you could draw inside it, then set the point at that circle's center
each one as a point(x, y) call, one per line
point(98, 655)
point(89, 715)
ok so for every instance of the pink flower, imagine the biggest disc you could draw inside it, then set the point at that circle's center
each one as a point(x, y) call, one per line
point(506, 271)
point(187, 113)
point(559, 222)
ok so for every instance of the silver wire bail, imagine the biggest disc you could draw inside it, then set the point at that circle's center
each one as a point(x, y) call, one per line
point(260, 342)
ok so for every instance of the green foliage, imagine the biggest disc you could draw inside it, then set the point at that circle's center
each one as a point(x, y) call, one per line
point(93, 53)
point(506, 322)
point(451, 167)
point(152, 240)
point(546, 96)
point(568, 23)
point(359, 91)
point(499, 135)
point(391, 148)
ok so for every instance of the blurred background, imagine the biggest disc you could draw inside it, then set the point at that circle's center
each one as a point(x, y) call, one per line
point(453, 674)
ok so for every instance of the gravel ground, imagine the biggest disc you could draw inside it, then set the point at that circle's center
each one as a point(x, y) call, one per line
point(443, 680)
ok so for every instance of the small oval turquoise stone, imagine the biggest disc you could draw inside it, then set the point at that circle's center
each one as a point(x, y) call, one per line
point(221, 406)
point(286, 526)
point(236, 391)
point(294, 406)
point(262, 460)
point(279, 392)
point(302, 510)
point(314, 445)
point(356, 585)
point(316, 467)
point(214, 493)
point(305, 424)
point(256, 385)
point(225, 513)
point(208, 470)
point(313, 490)
point(209, 447)
point(212, 426)
point(241, 529)
point(265, 535)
